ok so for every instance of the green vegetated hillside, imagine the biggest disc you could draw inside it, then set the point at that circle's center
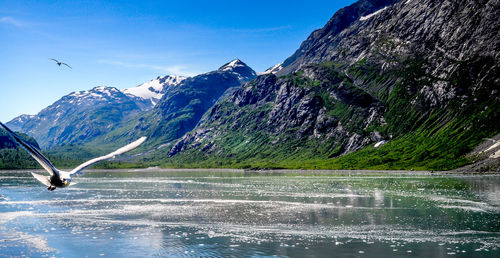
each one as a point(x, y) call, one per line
point(418, 136)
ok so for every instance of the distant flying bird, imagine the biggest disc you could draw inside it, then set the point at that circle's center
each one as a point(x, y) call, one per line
point(59, 178)
point(60, 63)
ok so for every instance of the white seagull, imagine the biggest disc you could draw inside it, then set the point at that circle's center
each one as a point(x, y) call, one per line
point(59, 178)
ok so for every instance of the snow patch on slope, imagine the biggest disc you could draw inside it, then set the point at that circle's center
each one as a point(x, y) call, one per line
point(364, 18)
point(153, 90)
point(273, 69)
point(22, 118)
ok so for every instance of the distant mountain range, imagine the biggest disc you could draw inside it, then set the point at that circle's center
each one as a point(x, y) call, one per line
point(77, 117)
point(165, 107)
point(385, 84)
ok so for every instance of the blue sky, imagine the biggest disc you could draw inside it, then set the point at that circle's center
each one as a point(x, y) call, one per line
point(126, 43)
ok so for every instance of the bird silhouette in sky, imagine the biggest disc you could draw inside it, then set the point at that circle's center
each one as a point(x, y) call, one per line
point(60, 63)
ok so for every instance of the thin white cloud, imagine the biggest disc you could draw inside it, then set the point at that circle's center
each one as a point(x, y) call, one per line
point(174, 69)
point(11, 21)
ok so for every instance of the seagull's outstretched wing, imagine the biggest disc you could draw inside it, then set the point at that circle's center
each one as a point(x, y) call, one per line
point(37, 155)
point(67, 65)
point(54, 60)
point(121, 150)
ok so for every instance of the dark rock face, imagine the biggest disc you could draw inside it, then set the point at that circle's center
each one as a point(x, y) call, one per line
point(314, 46)
point(379, 71)
point(78, 117)
point(444, 33)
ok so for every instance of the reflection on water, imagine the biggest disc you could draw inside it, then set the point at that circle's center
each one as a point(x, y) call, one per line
point(165, 213)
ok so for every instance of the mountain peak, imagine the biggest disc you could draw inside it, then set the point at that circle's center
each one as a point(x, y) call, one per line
point(238, 67)
point(232, 64)
point(98, 91)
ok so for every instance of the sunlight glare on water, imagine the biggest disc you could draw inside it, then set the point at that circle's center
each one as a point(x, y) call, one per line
point(214, 213)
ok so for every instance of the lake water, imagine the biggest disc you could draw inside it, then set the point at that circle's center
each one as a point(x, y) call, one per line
point(232, 214)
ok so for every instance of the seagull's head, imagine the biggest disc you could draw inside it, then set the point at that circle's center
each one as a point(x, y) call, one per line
point(66, 181)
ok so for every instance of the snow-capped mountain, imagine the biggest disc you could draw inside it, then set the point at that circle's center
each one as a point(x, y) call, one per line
point(91, 97)
point(77, 117)
point(238, 68)
point(153, 90)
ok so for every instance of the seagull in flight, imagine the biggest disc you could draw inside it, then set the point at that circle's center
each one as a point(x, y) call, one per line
point(60, 63)
point(59, 178)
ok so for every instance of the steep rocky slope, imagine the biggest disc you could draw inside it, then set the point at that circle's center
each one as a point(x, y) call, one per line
point(420, 76)
point(315, 47)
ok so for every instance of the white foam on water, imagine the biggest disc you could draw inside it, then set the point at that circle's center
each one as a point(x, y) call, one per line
point(162, 181)
point(10, 235)
point(8, 216)
point(168, 200)
point(464, 204)
point(33, 241)
point(466, 208)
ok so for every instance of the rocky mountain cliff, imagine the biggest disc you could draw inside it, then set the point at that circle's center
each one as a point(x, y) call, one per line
point(408, 84)
point(313, 49)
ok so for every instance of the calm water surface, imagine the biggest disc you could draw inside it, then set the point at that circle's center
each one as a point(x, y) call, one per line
point(192, 213)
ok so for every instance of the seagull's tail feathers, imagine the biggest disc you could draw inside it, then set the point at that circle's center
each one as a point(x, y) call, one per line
point(43, 179)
